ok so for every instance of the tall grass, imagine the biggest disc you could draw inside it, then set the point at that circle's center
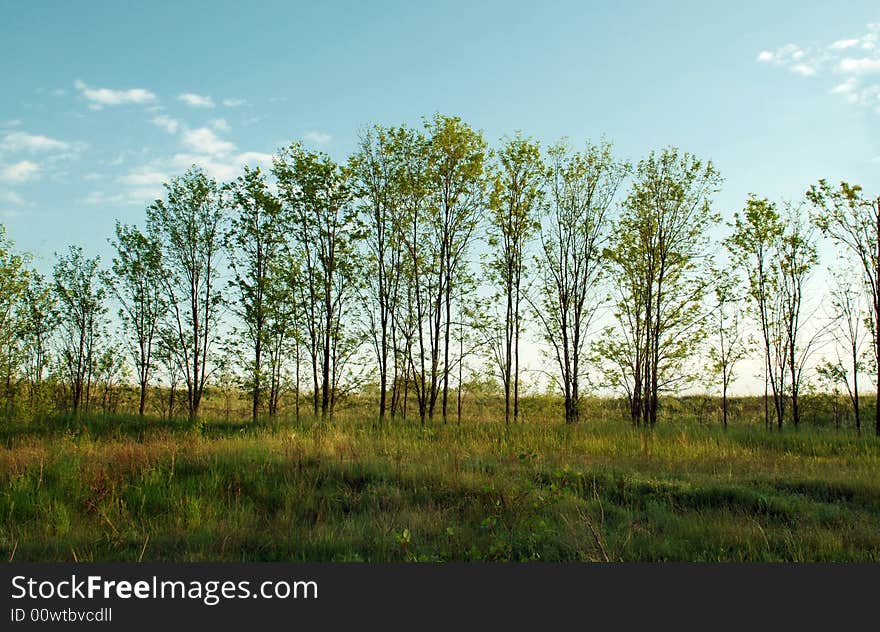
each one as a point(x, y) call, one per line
point(121, 488)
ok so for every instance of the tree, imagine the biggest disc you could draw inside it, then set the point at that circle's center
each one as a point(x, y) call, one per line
point(582, 189)
point(515, 202)
point(189, 226)
point(797, 257)
point(40, 315)
point(316, 195)
point(255, 242)
point(777, 254)
point(457, 184)
point(850, 338)
point(658, 266)
point(14, 282)
point(757, 232)
point(168, 359)
point(111, 372)
point(731, 343)
point(852, 220)
point(81, 306)
point(282, 333)
point(421, 254)
point(136, 280)
point(377, 177)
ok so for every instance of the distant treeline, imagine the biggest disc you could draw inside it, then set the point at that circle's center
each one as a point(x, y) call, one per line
point(419, 265)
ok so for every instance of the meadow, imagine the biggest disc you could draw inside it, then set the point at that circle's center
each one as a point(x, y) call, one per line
point(116, 487)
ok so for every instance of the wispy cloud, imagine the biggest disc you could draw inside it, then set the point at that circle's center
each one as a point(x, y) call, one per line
point(234, 103)
point(789, 56)
point(859, 66)
point(19, 172)
point(203, 140)
point(224, 167)
point(143, 184)
point(219, 124)
point(255, 159)
point(856, 59)
point(317, 138)
point(140, 185)
point(196, 100)
point(846, 87)
point(804, 70)
point(102, 198)
point(101, 97)
point(169, 124)
point(144, 176)
point(32, 143)
point(844, 44)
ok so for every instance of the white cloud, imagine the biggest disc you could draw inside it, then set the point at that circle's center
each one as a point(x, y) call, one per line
point(223, 169)
point(167, 123)
point(219, 168)
point(19, 171)
point(234, 103)
point(196, 100)
point(204, 141)
point(255, 159)
point(317, 138)
point(31, 143)
point(12, 123)
point(100, 97)
point(844, 44)
point(853, 57)
point(100, 198)
point(859, 66)
point(805, 70)
point(143, 176)
point(219, 124)
point(142, 184)
point(790, 56)
point(847, 86)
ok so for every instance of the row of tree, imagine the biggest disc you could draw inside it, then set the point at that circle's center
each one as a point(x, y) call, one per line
point(427, 255)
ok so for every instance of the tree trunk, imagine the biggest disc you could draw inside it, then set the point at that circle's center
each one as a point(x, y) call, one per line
point(877, 318)
point(143, 399)
point(724, 404)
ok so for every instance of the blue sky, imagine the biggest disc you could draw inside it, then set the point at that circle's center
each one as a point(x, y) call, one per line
point(102, 101)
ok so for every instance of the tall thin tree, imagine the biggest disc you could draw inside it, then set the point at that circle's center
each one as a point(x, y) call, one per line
point(516, 201)
point(852, 220)
point(582, 190)
point(137, 284)
point(255, 243)
point(189, 225)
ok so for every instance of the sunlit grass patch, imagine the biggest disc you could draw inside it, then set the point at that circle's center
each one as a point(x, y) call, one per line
point(118, 489)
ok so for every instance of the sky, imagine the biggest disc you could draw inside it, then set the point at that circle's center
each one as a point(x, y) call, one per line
point(103, 101)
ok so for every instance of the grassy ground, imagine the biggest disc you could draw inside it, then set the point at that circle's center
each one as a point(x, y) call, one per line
point(121, 489)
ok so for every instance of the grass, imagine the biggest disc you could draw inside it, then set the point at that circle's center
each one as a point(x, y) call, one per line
point(119, 488)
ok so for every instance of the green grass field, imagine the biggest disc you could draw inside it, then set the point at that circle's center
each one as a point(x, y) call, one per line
point(117, 488)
